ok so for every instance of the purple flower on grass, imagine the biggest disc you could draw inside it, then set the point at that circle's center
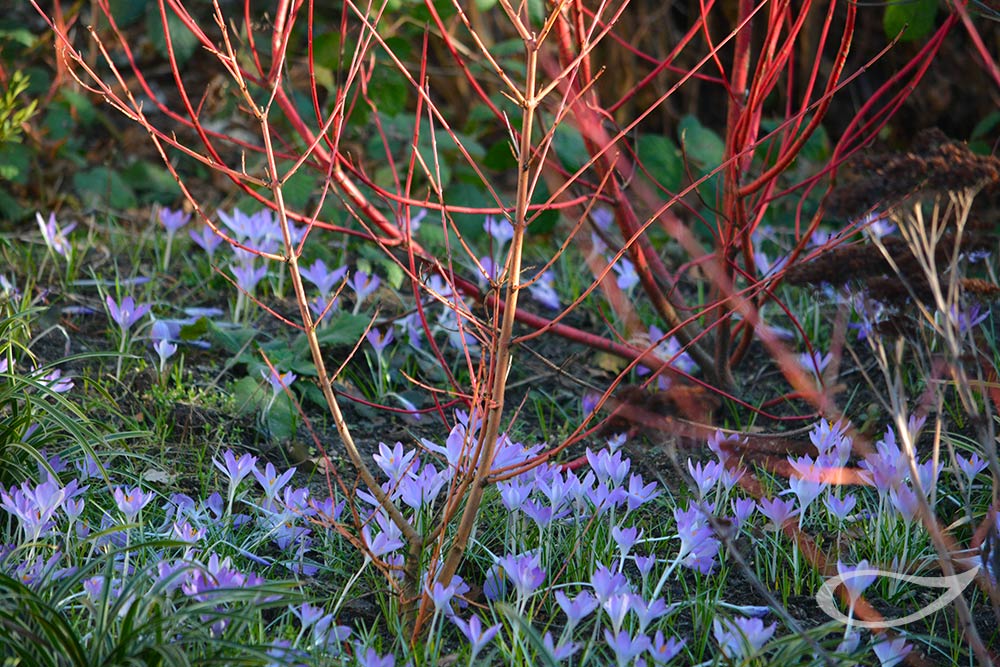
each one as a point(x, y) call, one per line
point(247, 277)
point(494, 583)
point(609, 467)
point(206, 239)
point(369, 657)
point(617, 607)
point(55, 382)
point(126, 313)
point(742, 509)
point(172, 220)
point(741, 637)
point(54, 237)
point(379, 339)
point(626, 278)
point(777, 510)
point(644, 564)
point(662, 651)
point(441, 596)
point(278, 381)
point(840, 507)
point(271, 481)
point(625, 538)
point(698, 543)
point(322, 277)
point(499, 228)
point(626, 647)
point(971, 466)
point(34, 507)
point(855, 580)
point(543, 290)
point(607, 583)
point(160, 335)
point(421, 487)
point(704, 476)
point(645, 613)
point(890, 652)
point(394, 462)
point(131, 501)
point(905, 500)
point(524, 572)
point(638, 494)
point(364, 286)
point(578, 608)
point(473, 631)
point(560, 652)
point(235, 469)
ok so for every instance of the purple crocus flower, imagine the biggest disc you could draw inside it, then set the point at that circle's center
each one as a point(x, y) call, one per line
point(160, 335)
point(741, 637)
point(905, 500)
point(840, 507)
point(626, 278)
point(247, 277)
point(369, 657)
point(578, 608)
point(394, 462)
point(322, 277)
point(662, 651)
point(563, 651)
point(271, 481)
point(543, 290)
point(379, 339)
point(235, 470)
point(131, 501)
point(126, 313)
point(499, 228)
point(625, 538)
point(699, 545)
point(890, 652)
point(607, 583)
point(777, 510)
point(364, 285)
point(441, 596)
point(856, 579)
point(524, 572)
point(626, 647)
point(55, 382)
point(206, 239)
point(278, 381)
point(971, 466)
point(173, 220)
point(704, 476)
point(54, 237)
point(473, 631)
point(637, 493)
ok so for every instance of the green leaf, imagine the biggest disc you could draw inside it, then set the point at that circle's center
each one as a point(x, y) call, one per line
point(233, 340)
point(345, 330)
point(915, 17)
point(390, 89)
point(15, 162)
point(127, 12)
point(102, 186)
point(662, 159)
point(197, 329)
point(183, 40)
point(153, 182)
point(701, 144)
point(248, 395)
point(569, 147)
